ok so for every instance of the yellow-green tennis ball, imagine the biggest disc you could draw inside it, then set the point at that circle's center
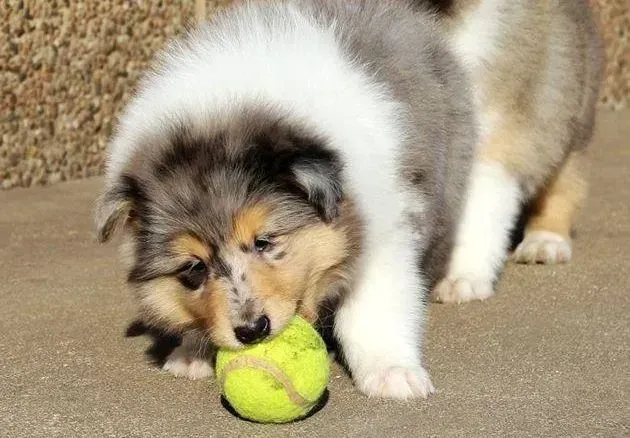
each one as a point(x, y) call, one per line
point(279, 380)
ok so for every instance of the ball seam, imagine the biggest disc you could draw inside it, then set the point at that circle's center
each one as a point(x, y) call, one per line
point(277, 373)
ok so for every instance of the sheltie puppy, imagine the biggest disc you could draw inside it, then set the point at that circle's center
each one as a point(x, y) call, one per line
point(288, 153)
point(536, 68)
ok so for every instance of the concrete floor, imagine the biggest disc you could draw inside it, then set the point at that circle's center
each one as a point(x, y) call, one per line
point(548, 356)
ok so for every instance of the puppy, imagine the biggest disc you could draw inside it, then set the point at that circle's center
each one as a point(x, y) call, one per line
point(286, 154)
point(536, 68)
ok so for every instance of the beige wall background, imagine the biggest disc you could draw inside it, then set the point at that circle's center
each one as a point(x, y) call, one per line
point(67, 68)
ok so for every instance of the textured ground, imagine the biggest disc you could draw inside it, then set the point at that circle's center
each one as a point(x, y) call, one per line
point(67, 68)
point(548, 356)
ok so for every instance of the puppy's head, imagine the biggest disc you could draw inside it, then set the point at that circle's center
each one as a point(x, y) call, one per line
point(231, 233)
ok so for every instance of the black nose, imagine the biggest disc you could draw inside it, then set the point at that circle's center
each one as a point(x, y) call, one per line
point(253, 332)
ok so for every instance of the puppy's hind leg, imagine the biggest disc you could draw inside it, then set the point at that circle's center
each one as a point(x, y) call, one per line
point(548, 232)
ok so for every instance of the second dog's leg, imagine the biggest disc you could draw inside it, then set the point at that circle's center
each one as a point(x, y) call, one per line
point(482, 239)
point(548, 232)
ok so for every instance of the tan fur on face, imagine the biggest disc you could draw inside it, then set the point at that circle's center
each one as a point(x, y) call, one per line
point(248, 223)
point(297, 281)
point(187, 245)
point(211, 309)
point(295, 277)
point(165, 303)
point(301, 278)
point(165, 299)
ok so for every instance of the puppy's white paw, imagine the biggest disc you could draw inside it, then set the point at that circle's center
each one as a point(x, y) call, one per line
point(397, 382)
point(462, 289)
point(543, 247)
point(181, 364)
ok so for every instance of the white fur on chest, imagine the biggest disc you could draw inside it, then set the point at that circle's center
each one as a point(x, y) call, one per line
point(476, 40)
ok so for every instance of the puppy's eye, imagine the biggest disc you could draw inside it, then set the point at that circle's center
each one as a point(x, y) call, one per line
point(193, 274)
point(262, 244)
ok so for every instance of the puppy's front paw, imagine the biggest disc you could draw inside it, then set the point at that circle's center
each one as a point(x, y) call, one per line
point(396, 382)
point(462, 289)
point(182, 364)
point(543, 247)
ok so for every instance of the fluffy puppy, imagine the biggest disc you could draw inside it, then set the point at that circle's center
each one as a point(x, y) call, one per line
point(285, 154)
point(535, 67)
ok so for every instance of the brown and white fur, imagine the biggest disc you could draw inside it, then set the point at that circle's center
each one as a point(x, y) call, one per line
point(535, 67)
point(287, 153)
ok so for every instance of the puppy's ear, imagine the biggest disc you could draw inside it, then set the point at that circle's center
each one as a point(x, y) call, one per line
point(302, 163)
point(317, 173)
point(114, 207)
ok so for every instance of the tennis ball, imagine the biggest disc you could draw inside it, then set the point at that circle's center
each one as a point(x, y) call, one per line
point(279, 380)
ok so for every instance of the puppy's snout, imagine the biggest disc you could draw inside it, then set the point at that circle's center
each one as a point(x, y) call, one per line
point(254, 331)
